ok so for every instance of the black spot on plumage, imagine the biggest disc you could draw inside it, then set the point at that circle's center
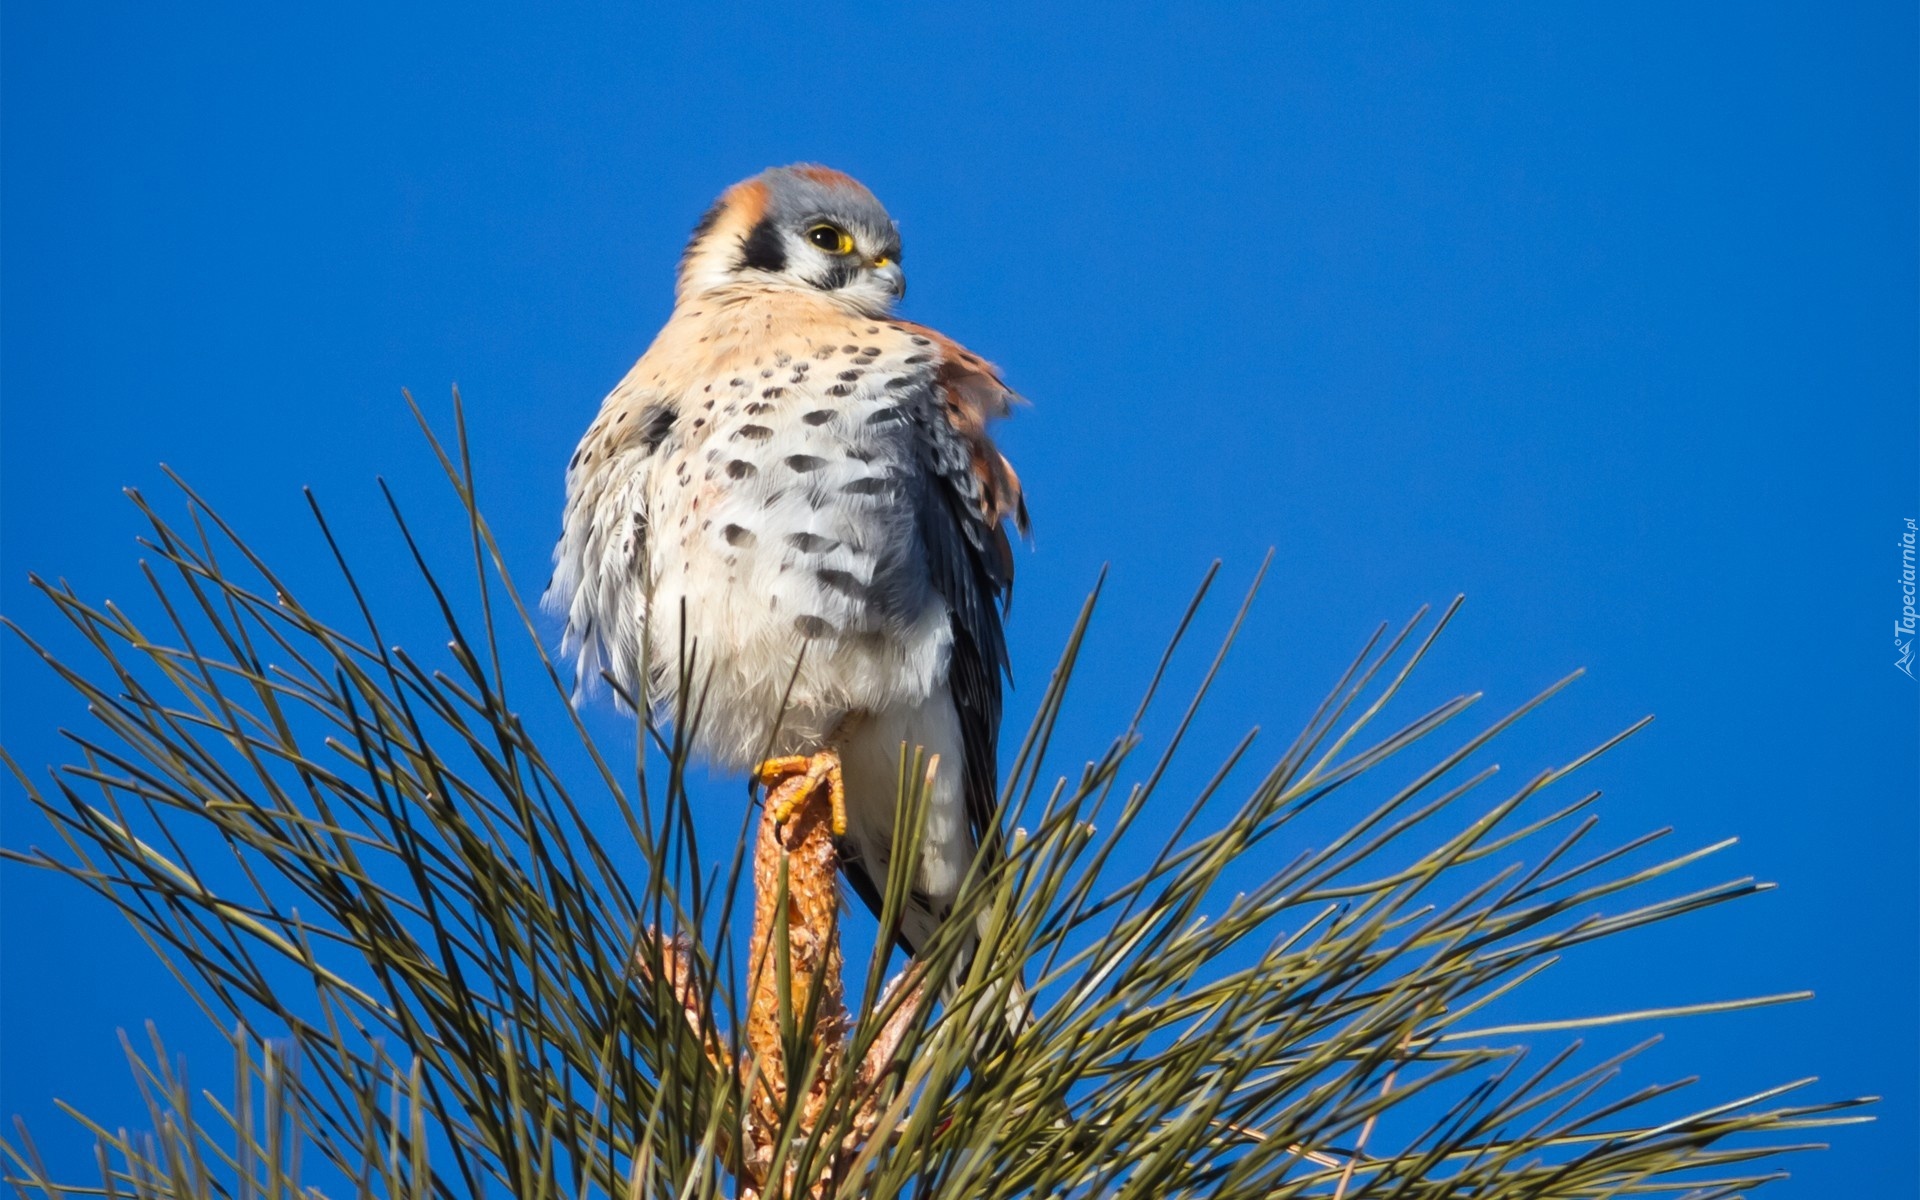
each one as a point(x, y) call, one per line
point(819, 416)
point(850, 349)
point(740, 468)
point(922, 341)
point(863, 359)
point(753, 432)
point(762, 249)
point(774, 393)
point(810, 543)
point(870, 486)
point(916, 359)
point(892, 412)
point(737, 536)
point(804, 463)
point(851, 375)
point(871, 351)
point(840, 389)
point(843, 582)
point(656, 421)
point(813, 627)
point(758, 407)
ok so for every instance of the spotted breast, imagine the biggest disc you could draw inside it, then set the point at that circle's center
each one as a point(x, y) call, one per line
point(787, 552)
point(807, 526)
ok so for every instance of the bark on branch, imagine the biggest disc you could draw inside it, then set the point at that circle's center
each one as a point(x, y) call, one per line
point(797, 1022)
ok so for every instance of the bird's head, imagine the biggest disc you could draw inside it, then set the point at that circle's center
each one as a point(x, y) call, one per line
point(801, 227)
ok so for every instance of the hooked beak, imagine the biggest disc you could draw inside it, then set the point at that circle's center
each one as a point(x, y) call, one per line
point(889, 273)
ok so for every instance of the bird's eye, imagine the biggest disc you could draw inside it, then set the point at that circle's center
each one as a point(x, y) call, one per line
point(831, 238)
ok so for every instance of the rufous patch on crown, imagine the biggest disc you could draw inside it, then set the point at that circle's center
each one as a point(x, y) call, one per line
point(826, 176)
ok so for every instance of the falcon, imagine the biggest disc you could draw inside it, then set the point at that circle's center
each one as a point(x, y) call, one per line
point(795, 492)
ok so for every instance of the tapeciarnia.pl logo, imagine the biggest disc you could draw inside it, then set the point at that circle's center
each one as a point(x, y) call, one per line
point(1903, 628)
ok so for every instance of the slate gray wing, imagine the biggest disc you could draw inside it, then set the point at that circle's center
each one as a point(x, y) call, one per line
point(970, 565)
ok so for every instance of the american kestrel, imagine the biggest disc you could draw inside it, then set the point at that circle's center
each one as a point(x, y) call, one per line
point(798, 489)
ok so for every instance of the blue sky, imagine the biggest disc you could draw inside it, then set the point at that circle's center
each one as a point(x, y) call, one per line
point(1605, 318)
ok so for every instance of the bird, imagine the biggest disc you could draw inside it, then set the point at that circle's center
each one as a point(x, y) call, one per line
point(796, 491)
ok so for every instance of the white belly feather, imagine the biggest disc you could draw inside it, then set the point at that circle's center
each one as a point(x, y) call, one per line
point(870, 756)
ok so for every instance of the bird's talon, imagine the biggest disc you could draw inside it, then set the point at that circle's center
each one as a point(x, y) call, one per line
point(837, 797)
point(783, 800)
point(774, 770)
point(795, 777)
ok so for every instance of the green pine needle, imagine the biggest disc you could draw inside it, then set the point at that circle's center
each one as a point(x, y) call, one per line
point(439, 983)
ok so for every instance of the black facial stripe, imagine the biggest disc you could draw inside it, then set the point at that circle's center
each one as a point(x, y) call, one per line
point(706, 223)
point(837, 277)
point(763, 250)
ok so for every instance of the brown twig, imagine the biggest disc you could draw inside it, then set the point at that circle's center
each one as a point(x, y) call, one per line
point(1366, 1127)
point(795, 989)
point(795, 957)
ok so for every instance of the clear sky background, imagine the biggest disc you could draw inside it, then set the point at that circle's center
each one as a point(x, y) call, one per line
point(1605, 318)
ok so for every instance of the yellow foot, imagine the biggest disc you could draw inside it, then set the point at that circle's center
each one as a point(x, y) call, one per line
point(795, 777)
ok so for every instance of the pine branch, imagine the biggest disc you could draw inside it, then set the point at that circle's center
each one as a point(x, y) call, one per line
point(360, 859)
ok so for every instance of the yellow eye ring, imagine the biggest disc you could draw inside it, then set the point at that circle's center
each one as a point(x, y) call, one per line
point(831, 238)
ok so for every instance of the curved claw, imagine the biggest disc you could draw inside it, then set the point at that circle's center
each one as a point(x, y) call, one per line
point(794, 777)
